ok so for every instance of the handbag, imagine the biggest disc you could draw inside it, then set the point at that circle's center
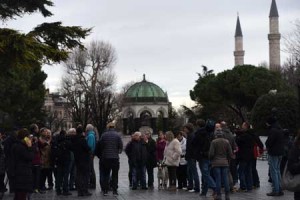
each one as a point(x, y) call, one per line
point(289, 181)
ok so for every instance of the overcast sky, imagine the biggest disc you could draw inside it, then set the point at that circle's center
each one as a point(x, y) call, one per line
point(169, 40)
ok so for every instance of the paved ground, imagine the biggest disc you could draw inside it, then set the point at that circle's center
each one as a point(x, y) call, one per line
point(126, 193)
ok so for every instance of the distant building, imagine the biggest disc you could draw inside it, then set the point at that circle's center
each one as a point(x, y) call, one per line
point(56, 107)
point(273, 36)
point(146, 105)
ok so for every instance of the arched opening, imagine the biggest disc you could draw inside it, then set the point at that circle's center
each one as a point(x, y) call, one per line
point(130, 123)
point(159, 121)
point(145, 118)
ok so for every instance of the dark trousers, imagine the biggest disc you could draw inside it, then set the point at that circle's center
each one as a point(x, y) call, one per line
point(150, 173)
point(296, 195)
point(2, 186)
point(72, 175)
point(92, 175)
point(20, 195)
point(46, 174)
point(110, 166)
point(245, 175)
point(172, 175)
point(255, 176)
point(130, 173)
point(82, 180)
point(62, 177)
point(139, 176)
point(36, 172)
point(233, 170)
point(181, 173)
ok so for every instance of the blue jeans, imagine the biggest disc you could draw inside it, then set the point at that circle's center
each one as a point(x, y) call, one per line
point(245, 175)
point(209, 182)
point(193, 177)
point(274, 166)
point(221, 176)
point(139, 176)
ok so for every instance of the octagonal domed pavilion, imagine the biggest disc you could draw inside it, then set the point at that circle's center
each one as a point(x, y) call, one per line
point(144, 103)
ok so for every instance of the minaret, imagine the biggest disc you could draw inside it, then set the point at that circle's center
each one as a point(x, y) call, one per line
point(239, 52)
point(274, 38)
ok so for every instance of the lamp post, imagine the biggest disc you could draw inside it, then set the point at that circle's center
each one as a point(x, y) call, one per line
point(78, 90)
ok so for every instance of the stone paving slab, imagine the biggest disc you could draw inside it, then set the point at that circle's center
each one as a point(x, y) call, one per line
point(126, 194)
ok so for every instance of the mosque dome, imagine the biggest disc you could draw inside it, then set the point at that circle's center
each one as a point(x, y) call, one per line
point(145, 91)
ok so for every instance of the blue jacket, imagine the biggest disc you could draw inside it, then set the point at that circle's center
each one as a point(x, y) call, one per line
point(91, 141)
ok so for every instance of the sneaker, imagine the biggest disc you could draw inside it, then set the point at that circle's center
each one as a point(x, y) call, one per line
point(66, 193)
point(273, 194)
point(87, 194)
point(41, 191)
point(241, 190)
point(105, 193)
point(115, 193)
point(192, 190)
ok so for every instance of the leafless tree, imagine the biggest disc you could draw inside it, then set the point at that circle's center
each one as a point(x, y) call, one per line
point(291, 68)
point(292, 42)
point(89, 84)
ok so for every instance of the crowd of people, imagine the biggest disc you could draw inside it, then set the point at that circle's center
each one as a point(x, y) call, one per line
point(226, 159)
point(31, 157)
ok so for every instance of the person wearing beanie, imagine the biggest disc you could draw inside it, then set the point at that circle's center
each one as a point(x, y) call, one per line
point(81, 152)
point(219, 153)
point(275, 147)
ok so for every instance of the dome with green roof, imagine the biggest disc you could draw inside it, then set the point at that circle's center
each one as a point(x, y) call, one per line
point(145, 91)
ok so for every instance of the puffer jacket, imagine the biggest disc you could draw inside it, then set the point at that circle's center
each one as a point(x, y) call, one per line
point(172, 153)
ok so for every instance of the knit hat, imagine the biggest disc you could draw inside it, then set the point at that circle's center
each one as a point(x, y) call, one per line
point(271, 120)
point(110, 125)
point(219, 133)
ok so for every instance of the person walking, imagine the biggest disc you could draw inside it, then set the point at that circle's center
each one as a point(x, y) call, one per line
point(219, 153)
point(111, 146)
point(275, 147)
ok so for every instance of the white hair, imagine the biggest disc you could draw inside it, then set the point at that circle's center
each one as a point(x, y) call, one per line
point(89, 127)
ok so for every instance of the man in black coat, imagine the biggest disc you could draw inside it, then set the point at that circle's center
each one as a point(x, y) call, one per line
point(245, 156)
point(275, 147)
point(151, 157)
point(137, 153)
point(111, 146)
point(81, 152)
point(202, 143)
